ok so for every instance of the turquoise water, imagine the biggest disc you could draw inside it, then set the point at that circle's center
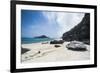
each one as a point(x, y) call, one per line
point(34, 40)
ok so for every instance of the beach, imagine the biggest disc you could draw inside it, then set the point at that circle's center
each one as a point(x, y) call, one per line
point(46, 52)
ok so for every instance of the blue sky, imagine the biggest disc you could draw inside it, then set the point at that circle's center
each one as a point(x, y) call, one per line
point(52, 24)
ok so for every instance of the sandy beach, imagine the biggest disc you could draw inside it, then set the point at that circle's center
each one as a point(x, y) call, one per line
point(46, 52)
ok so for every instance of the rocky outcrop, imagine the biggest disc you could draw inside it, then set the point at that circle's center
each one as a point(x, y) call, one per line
point(24, 50)
point(76, 46)
point(80, 32)
point(57, 42)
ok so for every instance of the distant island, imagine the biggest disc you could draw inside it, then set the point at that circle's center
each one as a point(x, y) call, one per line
point(42, 36)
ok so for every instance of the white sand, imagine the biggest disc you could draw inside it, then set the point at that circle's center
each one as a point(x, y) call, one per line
point(49, 53)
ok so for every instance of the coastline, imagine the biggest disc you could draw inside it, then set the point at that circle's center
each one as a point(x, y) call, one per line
point(46, 52)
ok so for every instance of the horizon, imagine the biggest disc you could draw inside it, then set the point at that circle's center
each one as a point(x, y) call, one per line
point(49, 23)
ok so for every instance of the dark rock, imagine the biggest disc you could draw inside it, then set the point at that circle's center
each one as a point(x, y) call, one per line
point(77, 49)
point(24, 50)
point(57, 42)
point(57, 46)
point(76, 46)
point(80, 32)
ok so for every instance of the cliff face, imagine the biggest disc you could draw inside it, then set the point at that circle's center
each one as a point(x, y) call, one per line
point(80, 32)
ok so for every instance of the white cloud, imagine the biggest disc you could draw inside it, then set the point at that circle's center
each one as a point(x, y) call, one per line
point(64, 21)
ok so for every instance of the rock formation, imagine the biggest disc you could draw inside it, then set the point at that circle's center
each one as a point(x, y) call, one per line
point(80, 32)
point(76, 46)
point(57, 42)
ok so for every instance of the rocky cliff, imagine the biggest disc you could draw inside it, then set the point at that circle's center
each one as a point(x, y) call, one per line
point(80, 32)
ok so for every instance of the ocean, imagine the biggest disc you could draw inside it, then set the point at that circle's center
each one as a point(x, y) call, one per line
point(34, 40)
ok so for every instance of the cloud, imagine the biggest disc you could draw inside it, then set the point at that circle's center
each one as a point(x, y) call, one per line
point(64, 21)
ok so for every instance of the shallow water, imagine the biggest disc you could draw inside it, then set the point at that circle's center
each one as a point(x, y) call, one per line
point(34, 40)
